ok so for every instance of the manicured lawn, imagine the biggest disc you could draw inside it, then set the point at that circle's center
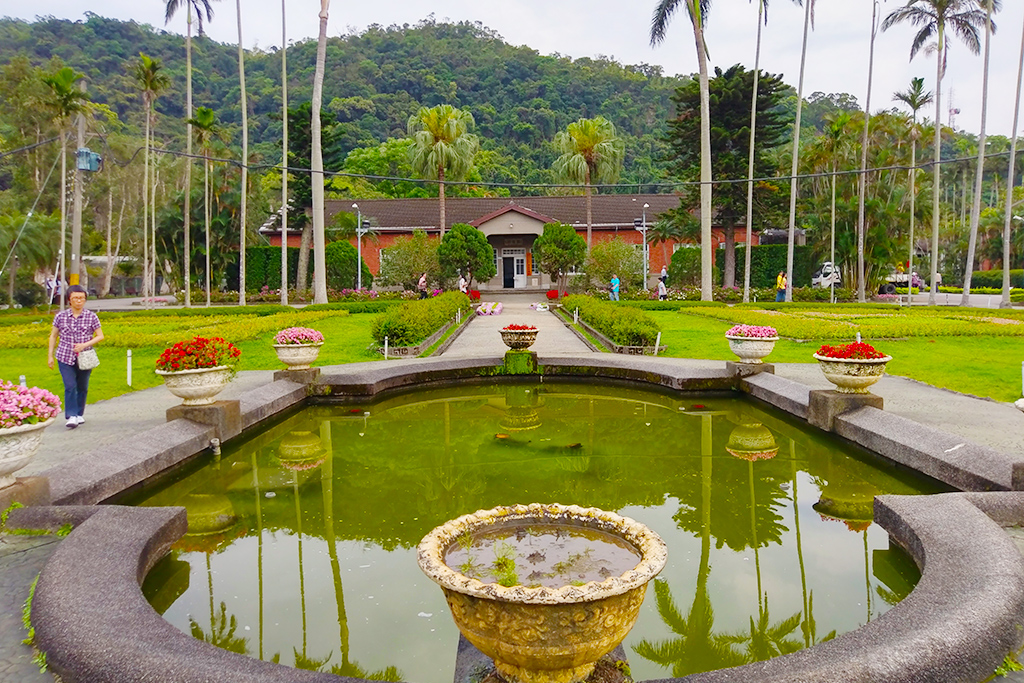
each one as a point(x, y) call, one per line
point(24, 346)
point(971, 362)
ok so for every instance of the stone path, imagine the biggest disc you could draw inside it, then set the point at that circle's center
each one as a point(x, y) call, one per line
point(481, 336)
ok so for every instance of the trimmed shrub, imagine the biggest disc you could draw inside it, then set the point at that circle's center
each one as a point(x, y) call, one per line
point(340, 257)
point(624, 325)
point(766, 260)
point(414, 321)
point(994, 279)
point(356, 306)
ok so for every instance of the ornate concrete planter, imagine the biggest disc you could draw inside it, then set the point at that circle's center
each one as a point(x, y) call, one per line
point(297, 356)
point(850, 375)
point(541, 634)
point(518, 339)
point(197, 387)
point(18, 445)
point(751, 349)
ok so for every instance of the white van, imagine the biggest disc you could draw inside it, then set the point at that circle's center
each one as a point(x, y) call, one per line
point(826, 276)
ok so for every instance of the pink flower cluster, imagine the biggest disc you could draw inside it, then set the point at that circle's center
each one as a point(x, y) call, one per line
point(25, 405)
point(752, 331)
point(299, 335)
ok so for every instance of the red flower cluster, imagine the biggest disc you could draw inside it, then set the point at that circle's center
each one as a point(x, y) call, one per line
point(518, 328)
point(854, 351)
point(553, 294)
point(198, 353)
point(474, 295)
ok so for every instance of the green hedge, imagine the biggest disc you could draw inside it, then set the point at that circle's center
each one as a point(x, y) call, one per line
point(672, 305)
point(341, 267)
point(623, 324)
point(994, 279)
point(414, 321)
point(766, 260)
point(357, 306)
point(263, 267)
point(259, 310)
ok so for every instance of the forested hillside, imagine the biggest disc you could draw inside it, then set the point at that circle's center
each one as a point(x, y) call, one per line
point(374, 81)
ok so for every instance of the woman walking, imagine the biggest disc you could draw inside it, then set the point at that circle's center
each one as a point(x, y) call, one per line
point(78, 329)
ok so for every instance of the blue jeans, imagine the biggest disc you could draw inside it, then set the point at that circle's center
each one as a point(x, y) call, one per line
point(76, 386)
point(780, 295)
point(614, 296)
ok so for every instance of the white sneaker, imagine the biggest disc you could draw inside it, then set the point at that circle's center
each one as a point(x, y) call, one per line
point(80, 419)
point(72, 422)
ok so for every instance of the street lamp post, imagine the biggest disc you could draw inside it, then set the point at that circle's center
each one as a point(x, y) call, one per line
point(360, 231)
point(642, 229)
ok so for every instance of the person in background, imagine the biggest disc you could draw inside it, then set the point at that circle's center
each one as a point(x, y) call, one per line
point(78, 329)
point(662, 289)
point(615, 288)
point(463, 285)
point(780, 286)
point(664, 274)
point(422, 286)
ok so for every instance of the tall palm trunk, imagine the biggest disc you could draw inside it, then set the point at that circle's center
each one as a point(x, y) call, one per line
point(706, 251)
point(936, 180)
point(913, 209)
point(245, 161)
point(206, 212)
point(62, 257)
point(794, 183)
point(832, 241)
point(1007, 220)
point(863, 180)
point(187, 216)
point(972, 242)
point(440, 195)
point(317, 164)
point(145, 213)
point(284, 158)
point(588, 202)
point(152, 225)
point(750, 160)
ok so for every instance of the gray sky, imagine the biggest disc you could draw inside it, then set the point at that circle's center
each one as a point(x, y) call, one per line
point(837, 52)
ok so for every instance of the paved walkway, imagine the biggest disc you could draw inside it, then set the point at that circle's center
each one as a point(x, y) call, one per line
point(482, 338)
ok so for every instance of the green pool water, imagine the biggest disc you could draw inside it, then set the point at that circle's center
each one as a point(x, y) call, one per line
point(302, 539)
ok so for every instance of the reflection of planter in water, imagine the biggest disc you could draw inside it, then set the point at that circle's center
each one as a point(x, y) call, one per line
point(752, 441)
point(544, 635)
point(852, 503)
point(520, 419)
point(301, 450)
point(211, 522)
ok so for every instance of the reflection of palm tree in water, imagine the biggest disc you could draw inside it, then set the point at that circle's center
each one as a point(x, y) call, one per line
point(222, 629)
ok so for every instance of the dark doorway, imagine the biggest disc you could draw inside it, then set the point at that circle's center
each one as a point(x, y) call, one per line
point(508, 272)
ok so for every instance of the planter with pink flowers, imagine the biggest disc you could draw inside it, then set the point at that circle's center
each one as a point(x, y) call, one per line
point(752, 342)
point(298, 347)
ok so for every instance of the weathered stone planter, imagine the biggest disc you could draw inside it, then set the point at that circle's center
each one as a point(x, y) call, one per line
point(518, 339)
point(540, 634)
point(197, 387)
point(751, 349)
point(18, 445)
point(297, 356)
point(850, 375)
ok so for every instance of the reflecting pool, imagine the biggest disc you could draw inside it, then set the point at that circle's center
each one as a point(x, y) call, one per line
point(302, 540)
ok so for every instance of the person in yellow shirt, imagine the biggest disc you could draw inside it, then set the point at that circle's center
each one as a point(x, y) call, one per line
point(780, 286)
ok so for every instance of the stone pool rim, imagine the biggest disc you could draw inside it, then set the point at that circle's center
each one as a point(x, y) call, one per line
point(966, 613)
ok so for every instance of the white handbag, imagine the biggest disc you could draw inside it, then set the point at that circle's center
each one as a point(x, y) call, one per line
point(88, 359)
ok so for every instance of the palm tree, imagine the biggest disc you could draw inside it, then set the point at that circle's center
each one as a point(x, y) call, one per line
point(442, 147)
point(317, 164)
point(698, 10)
point(65, 100)
point(148, 76)
point(794, 186)
point(591, 152)
point(172, 7)
point(864, 144)
point(204, 126)
point(1008, 217)
point(284, 157)
point(914, 97)
point(933, 17)
point(980, 174)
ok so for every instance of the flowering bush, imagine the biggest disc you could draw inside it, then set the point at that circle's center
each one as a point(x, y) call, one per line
point(854, 351)
point(298, 335)
point(518, 328)
point(489, 308)
point(25, 405)
point(474, 295)
point(197, 353)
point(752, 331)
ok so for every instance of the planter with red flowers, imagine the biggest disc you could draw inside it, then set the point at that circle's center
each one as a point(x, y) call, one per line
point(197, 370)
point(852, 367)
point(752, 342)
point(518, 337)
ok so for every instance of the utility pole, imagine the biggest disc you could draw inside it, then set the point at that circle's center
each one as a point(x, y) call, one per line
point(76, 216)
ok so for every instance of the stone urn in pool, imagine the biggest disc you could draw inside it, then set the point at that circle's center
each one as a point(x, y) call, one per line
point(545, 590)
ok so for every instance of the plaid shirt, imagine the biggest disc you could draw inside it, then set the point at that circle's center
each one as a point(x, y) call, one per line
point(71, 331)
